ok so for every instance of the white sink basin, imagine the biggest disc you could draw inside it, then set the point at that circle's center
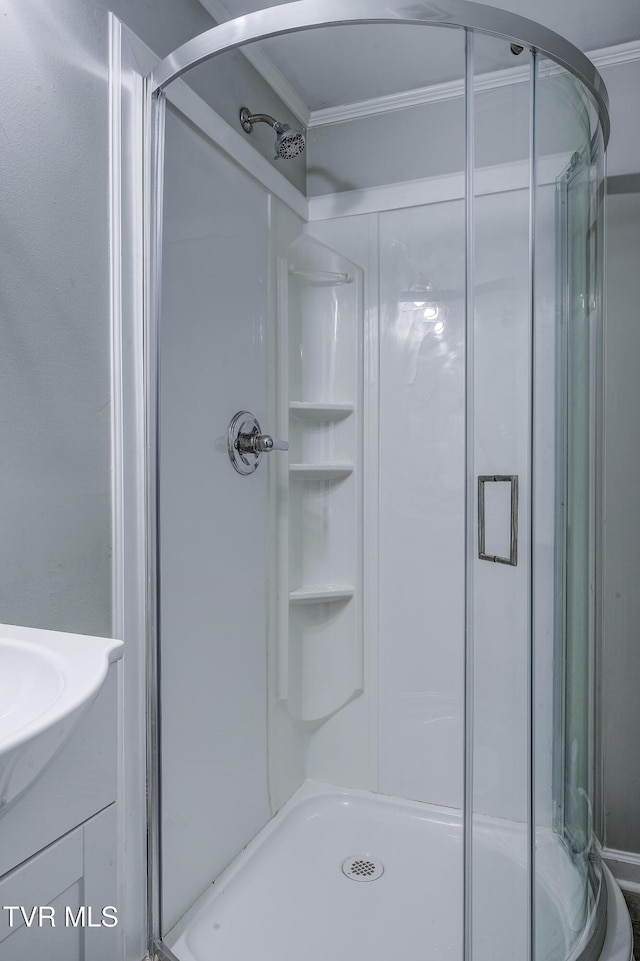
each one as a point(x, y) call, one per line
point(47, 681)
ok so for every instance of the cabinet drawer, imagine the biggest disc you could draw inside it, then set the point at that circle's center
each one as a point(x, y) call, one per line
point(52, 906)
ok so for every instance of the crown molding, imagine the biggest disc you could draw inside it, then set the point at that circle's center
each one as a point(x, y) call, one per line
point(621, 53)
point(450, 90)
point(605, 57)
point(264, 65)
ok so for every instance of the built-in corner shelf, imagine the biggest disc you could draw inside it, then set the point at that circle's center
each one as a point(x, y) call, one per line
point(318, 495)
point(320, 412)
point(321, 594)
point(320, 471)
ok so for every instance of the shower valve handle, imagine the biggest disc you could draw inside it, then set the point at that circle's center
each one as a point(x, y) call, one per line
point(246, 443)
point(255, 443)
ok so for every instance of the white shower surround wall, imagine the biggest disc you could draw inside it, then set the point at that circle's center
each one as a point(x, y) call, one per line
point(421, 551)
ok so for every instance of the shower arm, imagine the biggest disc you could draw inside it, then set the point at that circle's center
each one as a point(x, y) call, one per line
point(248, 119)
point(262, 118)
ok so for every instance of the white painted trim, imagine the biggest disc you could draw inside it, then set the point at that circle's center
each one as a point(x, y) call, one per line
point(115, 287)
point(367, 200)
point(129, 533)
point(144, 56)
point(264, 65)
point(621, 53)
point(452, 90)
point(117, 422)
point(625, 867)
point(415, 193)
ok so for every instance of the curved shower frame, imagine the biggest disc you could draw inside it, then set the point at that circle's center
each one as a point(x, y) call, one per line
point(309, 14)
point(288, 18)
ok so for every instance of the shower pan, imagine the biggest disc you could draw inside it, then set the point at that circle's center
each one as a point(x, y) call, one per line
point(373, 389)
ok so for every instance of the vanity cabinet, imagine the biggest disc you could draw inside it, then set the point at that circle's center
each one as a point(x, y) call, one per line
point(58, 845)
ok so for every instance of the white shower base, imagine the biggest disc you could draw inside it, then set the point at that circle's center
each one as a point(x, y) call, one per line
point(286, 898)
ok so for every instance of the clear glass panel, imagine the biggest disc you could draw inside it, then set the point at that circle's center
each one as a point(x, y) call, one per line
point(422, 264)
point(421, 288)
point(212, 530)
point(567, 356)
point(501, 448)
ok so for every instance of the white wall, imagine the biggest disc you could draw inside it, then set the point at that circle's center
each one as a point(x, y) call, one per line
point(622, 82)
point(621, 600)
point(54, 364)
point(621, 754)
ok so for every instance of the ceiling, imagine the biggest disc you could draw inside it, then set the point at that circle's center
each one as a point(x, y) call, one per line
point(333, 66)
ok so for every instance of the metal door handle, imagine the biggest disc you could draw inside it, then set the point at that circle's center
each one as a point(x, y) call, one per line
point(512, 479)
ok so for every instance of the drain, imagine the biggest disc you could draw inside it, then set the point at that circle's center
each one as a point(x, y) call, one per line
point(363, 868)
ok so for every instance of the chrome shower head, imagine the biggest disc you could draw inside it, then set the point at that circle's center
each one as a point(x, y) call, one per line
point(289, 142)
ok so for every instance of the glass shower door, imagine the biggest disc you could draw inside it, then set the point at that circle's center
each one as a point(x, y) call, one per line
point(533, 874)
point(568, 907)
point(574, 621)
point(499, 470)
point(212, 520)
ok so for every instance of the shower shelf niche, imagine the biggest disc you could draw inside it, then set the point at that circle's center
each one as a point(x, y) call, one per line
point(323, 413)
point(319, 492)
point(320, 594)
point(321, 471)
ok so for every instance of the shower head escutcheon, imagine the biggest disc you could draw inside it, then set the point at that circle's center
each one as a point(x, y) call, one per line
point(289, 142)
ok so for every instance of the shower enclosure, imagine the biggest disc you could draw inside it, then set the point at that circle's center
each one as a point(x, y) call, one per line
point(372, 655)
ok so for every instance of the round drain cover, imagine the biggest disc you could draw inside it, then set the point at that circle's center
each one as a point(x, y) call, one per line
point(362, 867)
